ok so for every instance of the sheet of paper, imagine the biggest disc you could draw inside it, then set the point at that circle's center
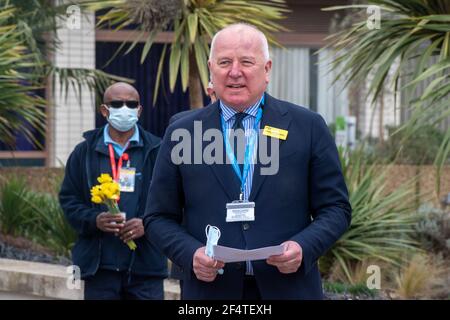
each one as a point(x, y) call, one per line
point(227, 254)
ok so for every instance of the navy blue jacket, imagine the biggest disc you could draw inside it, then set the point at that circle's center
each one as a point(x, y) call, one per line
point(306, 201)
point(82, 169)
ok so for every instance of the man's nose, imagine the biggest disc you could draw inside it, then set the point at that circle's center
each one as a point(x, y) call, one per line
point(235, 70)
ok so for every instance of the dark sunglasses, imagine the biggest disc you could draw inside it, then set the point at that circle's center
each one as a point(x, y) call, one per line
point(132, 104)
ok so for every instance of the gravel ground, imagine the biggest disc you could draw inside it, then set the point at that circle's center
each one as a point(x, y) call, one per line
point(8, 251)
point(349, 296)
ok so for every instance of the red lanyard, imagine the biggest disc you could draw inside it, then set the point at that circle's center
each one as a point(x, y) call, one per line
point(116, 170)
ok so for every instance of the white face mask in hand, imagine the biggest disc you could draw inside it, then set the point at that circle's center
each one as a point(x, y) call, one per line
point(212, 238)
point(123, 119)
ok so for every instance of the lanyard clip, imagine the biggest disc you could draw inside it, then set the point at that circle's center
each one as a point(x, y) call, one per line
point(126, 157)
point(241, 196)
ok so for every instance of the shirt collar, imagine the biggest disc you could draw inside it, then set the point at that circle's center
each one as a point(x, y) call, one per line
point(107, 138)
point(228, 112)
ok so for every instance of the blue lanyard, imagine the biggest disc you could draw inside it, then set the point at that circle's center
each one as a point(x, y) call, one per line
point(248, 151)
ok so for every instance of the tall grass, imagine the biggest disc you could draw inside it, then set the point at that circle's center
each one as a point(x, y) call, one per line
point(423, 276)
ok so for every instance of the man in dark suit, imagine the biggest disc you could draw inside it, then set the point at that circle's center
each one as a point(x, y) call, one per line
point(175, 271)
point(303, 205)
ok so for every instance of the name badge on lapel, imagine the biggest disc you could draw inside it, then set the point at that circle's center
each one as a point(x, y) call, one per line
point(240, 211)
point(275, 133)
point(127, 179)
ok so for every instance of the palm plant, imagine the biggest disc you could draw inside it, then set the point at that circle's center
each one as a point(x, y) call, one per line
point(39, 22)
point(382, 224)
point(413, 32)
point(17, 106)
point(194, 22)
point(25, 67)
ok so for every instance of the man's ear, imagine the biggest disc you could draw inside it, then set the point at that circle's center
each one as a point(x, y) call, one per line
point(104, 111)
point(139, 110)
point(267, 68)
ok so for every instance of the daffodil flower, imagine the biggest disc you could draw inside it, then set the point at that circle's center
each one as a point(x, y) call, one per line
point(104, 178)
point(108, 193)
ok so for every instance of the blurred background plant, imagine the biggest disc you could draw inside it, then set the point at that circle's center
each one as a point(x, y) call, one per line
point(14, 210)
point(26, 66)
point(423, 276)
point(50, 227)
point(410, 48)
point(409, 245)
point(34, 215)
point(18, 108)
point(420, 148)
point(349, 291)
point(382, 223)
point(433, 229)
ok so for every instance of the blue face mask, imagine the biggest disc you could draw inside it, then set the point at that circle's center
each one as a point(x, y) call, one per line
point(123, 119)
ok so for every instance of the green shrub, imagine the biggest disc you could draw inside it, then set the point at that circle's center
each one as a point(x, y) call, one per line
point(434, 229)
point(36, 216)
point(382, 223)
point(342, 288)
point(419, 148)
point(362, 289)
point(51, 228)
point(14, 210)
point(334, 287)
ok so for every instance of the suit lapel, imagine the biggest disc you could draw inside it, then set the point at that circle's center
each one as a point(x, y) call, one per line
point(223, 172)
point(275, 116)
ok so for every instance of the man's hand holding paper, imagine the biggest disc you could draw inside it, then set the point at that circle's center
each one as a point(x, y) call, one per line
point(290, 260)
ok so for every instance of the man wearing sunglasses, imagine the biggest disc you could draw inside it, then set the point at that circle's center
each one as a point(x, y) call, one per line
point(125, 151)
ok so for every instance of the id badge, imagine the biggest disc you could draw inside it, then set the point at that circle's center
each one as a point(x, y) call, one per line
point(126, 179)
point(240, 211)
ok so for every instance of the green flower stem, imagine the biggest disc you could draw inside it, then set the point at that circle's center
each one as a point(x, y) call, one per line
point(132, 245)
point(114, 209)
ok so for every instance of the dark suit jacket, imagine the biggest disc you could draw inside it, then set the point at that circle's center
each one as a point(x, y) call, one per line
point(306, 201)
point(176, 272)
point(181, 114)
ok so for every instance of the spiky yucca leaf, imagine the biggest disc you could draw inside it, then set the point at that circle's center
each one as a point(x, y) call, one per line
point(381, 222)
point(19, 107)
point(25, 67)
